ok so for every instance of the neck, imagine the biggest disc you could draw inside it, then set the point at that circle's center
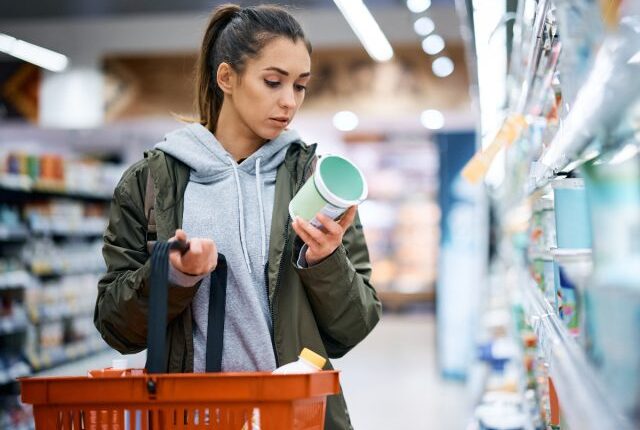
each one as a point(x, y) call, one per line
point(234, 135)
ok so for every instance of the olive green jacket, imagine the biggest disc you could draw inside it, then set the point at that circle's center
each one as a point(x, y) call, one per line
point(329, 307)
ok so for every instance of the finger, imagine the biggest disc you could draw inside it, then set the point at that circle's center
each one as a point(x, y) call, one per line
point(302, 233)
point(209, 250)
point(199, 259)
point(195, 247)
point(348, 217)
point(316, 234)
point(212, 261)
point(332, 227)
point(180, 235)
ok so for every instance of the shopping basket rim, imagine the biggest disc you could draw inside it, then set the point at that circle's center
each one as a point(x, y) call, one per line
point(215, 375)
point(179, 388)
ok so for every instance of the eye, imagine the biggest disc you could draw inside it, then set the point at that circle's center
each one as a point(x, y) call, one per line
point(271, 84)
point(300, 87)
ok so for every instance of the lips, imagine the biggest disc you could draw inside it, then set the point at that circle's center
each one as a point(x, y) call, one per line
point(281, 119)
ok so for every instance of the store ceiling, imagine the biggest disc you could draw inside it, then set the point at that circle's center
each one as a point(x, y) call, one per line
point(10, 10)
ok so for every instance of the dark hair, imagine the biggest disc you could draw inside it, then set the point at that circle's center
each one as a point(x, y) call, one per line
point(233, 35)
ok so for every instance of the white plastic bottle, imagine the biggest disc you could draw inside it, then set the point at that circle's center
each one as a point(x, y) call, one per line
point(308, 362)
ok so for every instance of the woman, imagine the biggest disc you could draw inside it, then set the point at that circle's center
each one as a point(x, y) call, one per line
point(225, 183)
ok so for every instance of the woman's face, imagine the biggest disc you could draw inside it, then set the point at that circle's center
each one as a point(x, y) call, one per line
point(272, 87)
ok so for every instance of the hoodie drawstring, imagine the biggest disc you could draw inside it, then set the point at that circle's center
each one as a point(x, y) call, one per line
point(243, 242)
point(263, 234)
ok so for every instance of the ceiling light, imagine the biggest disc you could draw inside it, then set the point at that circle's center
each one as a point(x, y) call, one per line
point(424, 26)
point(442, 67)
point(433, 44)
point(345, 120)
point(432, 119)
point(34, 54)
point(418, 6)
point(366, 28)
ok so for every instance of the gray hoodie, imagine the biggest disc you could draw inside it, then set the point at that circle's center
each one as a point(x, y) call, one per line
point(232, 204)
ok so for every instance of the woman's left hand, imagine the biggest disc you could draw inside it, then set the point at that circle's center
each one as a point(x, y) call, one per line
point(322, 242)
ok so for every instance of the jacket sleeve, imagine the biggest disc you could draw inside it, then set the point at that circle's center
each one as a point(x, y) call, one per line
point(122, 304)
point(343, 300)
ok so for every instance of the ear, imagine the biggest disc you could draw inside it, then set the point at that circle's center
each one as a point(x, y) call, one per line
point(226, 78)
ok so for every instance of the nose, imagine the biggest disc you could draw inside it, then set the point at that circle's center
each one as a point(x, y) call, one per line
point(287, 99)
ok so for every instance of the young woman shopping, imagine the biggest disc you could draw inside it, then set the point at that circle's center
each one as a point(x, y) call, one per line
point(224, 184)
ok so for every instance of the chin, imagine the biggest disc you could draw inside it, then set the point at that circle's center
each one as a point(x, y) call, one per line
point(270, 134)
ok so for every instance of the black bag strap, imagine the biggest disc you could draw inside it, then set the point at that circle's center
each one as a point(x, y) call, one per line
point(215, 323)
point(158, 298)
point(158, 309)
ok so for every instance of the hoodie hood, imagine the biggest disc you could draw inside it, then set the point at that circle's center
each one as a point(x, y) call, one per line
point(198, 148)
point(215, 170)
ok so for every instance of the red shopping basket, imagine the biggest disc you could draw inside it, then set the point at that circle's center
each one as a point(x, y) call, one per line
point(134, 399)
point(222, 401)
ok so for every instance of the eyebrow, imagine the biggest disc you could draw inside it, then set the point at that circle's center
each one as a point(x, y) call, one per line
point(285, 73)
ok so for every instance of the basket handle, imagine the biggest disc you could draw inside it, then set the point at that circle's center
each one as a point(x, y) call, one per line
point(158, 308)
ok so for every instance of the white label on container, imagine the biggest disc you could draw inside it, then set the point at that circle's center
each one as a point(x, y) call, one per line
point(329, 210)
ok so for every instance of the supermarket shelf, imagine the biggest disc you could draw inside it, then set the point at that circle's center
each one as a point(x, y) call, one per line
point(9, 326)
point(14, 188)
point(534, 54)
point(13, 233)
point(17, 370)
point(14, 280)
point(52, 273)
point(56, 356)
point(50, 313)
point(88, 227)
point(16, 322)
point(583, 400)
point(57, 235)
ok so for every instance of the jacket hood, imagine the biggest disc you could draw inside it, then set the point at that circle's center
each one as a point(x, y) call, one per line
point(198, 148)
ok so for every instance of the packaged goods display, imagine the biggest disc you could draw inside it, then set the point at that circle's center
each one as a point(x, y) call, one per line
point(570, 211)
point(52, 216)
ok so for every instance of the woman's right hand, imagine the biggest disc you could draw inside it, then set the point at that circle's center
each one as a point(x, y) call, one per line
point(201, 258)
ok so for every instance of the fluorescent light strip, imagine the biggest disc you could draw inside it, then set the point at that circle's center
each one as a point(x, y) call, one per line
point(34, 54)
point(366, 28)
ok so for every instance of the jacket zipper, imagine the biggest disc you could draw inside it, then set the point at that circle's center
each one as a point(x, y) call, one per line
point(281, 266)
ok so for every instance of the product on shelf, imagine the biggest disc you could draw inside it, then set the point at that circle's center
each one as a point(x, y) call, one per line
point(613, 190)
point(612, 330)
point(10, 225)
point(45, 257)
point(54, 172)
point(65, 217)
point(573, 228)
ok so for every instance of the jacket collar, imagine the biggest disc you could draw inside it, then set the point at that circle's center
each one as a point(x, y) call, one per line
point(171, 177)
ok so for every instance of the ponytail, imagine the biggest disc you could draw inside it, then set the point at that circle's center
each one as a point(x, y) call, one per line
point(209, 95)
point(233, 35)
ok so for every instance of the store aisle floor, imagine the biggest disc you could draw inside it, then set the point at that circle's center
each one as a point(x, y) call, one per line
point(391, 380)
